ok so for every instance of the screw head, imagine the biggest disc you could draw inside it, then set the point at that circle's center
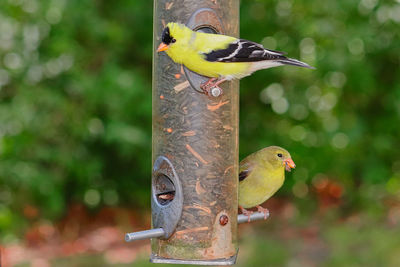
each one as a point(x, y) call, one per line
point(223, 220)
point(215, 92)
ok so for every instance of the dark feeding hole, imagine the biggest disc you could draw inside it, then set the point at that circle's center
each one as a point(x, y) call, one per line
point(206, 29)
point(164, 189)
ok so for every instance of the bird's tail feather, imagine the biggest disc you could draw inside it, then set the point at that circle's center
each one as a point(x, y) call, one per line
point(294, 62)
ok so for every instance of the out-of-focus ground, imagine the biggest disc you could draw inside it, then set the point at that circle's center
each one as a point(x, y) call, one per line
point(287, 238)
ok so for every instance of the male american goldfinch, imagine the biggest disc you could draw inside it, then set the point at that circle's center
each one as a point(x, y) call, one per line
point(261, 174)
point(218, 56)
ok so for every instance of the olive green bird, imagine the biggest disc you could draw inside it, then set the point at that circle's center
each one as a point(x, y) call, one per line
point(261, 174)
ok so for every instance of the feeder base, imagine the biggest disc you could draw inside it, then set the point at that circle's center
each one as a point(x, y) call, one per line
point(229, 261)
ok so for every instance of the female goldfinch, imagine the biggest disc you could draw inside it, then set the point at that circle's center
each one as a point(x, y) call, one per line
point(261, 174)
point(219, 56)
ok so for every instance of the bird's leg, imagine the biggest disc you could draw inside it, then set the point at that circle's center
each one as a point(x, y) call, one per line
point(207, 86)
point(207, 83)
point(246, 212)
point(263, 210)
point(219, 82)
point(210, 84)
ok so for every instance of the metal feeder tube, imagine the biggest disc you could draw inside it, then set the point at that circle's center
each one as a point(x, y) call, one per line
point(198, 136)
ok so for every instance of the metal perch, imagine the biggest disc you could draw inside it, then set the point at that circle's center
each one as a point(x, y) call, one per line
point(159, 232)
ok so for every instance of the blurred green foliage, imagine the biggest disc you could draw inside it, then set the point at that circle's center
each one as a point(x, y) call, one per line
point(75, 101)
point(75, 110)
point(341, 120)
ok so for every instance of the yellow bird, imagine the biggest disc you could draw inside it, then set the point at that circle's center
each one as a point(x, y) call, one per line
point(261, 174)
point(219, 57)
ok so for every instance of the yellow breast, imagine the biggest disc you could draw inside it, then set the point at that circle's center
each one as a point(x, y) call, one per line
point(259, 186)
point(190, 51)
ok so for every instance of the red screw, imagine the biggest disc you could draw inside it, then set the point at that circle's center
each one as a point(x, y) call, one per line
point(223, 220)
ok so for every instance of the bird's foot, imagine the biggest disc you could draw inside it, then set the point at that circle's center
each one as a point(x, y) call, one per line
point(263, 210)
point(206, 86)
point(208, 83)
point(211, 87)
point(246, 213)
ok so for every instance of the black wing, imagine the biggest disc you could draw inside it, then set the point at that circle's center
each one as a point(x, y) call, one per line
point(243, 175)
point(243, 51)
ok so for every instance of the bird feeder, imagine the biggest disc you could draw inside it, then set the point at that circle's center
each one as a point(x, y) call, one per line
point(195, 148)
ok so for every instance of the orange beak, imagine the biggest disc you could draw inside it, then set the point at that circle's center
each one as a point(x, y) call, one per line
point(162, 47)
point(289, 164)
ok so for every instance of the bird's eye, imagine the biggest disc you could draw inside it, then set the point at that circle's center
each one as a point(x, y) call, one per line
point(173, 40)
point(280, 155)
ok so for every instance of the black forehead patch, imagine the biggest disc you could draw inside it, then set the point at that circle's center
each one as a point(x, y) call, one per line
point(166, 36)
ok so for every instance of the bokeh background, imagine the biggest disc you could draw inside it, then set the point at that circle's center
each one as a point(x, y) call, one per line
point(75, 132)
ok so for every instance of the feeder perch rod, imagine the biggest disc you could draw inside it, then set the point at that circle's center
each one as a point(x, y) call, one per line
point(159, 232)
point(153, 233)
